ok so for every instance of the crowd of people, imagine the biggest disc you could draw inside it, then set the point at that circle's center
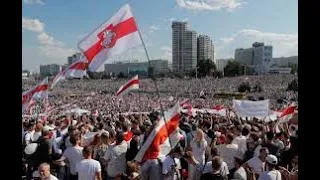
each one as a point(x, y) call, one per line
point(211, 147)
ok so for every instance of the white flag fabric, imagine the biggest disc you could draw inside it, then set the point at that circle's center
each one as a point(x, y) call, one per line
point(35, 93)
point(246, 108)
point(75, 70)
point(113, 37)
point(157, 144)
point(132, 84)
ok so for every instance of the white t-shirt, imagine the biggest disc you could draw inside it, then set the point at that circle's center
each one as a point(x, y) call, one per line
point(28, 136)
point(228, 152)
point(270, 175)
point(224, 170)
point(74, 156)
point(240, 174)
point(241, 141)
point(36, 174)
point(199, 151)
point(36, 135)
point(256, 164)
point(167, 163)
point(87, 169)
point(116, 159)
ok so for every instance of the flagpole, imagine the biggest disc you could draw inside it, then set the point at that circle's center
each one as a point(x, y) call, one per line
point(155, 84)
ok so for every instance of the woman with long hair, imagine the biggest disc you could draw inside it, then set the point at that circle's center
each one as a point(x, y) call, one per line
point(198, 147)
point(100, 149)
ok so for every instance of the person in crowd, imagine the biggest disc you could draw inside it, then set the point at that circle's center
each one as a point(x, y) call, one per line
point(88, 168)
point(73, 155)
point(257, 164)
point(271, 173)
point(44, 173)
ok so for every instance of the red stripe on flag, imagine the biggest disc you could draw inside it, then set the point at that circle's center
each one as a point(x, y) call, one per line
point(122, 29)
point(81, 65)
point(39, 88)
point(287, 111)
point(132, 82)
point(161, 137)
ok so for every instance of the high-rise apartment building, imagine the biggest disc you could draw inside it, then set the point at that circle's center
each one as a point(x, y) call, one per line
point(184, 47)
point(258, 56)
point(49, 69)
point(75, 57)
point(205, 48)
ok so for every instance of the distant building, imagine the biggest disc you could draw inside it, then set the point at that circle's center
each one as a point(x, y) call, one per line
point(184, 48)
point(49, 70)
point(280, 70)
point(258, 56)
point(75, 57)
point(222, 63)
point(284, 61)
point(140, 68)
point(205, 48)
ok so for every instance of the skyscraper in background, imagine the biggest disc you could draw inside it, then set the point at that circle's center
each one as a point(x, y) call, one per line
point(205, 48)
point(184, 47)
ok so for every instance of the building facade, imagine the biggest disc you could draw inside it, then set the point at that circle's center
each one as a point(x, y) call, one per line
point(75, 57)
point(222, 63)
point(205, 48)
point(184, 48)
point(49, 70)
point(258, 56)
point(285, 61)
point(141, 68)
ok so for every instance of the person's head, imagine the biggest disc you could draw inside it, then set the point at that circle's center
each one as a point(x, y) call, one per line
point(38, 127)
point(134, 124)
point(87, 152)
point(100, 126)
point(214, 152)
point(238, 130)
point(104, 138)
point(246, 131)
point(269, 136)
point(216, 127)
point(177, 152)
point(294, 161)
point(30, 126)
point(229, 138)
point(263, 153)
point(199, 135)
point(125, 127)
point(271, 162)
point(216, 164)
point(238, 161)
point(44, 170)
point(119, 137)
point(75, 139)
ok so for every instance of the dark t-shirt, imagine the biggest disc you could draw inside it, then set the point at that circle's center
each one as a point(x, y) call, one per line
point(43, 153)
point(211, 176)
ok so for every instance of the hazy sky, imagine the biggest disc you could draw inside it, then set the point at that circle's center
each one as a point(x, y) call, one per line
point(51, 29)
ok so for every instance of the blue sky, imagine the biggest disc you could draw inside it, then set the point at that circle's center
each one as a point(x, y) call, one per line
point(51, 29)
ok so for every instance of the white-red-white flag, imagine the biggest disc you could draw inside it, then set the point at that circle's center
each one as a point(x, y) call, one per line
point(75, 70)
point(287, 114)
point(113, 37)
point(132, 84)
point(220, 110)
point(37, 92)
point(157, 144)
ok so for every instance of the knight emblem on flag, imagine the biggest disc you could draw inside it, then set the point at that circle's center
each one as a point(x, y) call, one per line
point(108, 36)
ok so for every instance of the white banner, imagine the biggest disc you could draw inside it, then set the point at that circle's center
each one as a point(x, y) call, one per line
point(246, 108)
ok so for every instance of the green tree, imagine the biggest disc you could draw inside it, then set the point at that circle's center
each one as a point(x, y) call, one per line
point(121, 75)
point(233, 68)
point(205, 67)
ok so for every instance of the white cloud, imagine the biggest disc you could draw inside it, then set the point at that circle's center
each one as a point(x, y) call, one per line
point(38, 2)
point(49, 50)
point(283, 44)
point(166, 52)
point(211, 5)
point(33, 25)
point(153, 28)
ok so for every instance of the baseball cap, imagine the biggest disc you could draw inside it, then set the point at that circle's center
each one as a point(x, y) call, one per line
point(272, 159)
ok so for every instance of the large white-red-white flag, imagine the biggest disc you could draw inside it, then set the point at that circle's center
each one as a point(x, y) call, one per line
point(113, 37)
point(132, 84)
point(287, 114)
point(75, 70)
point(157, 144)
point(37, 92)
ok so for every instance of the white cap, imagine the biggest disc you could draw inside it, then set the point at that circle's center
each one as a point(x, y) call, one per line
point(272, 159)
point(47, 128)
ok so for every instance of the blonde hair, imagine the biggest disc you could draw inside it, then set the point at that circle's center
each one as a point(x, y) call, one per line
point(199, 137)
